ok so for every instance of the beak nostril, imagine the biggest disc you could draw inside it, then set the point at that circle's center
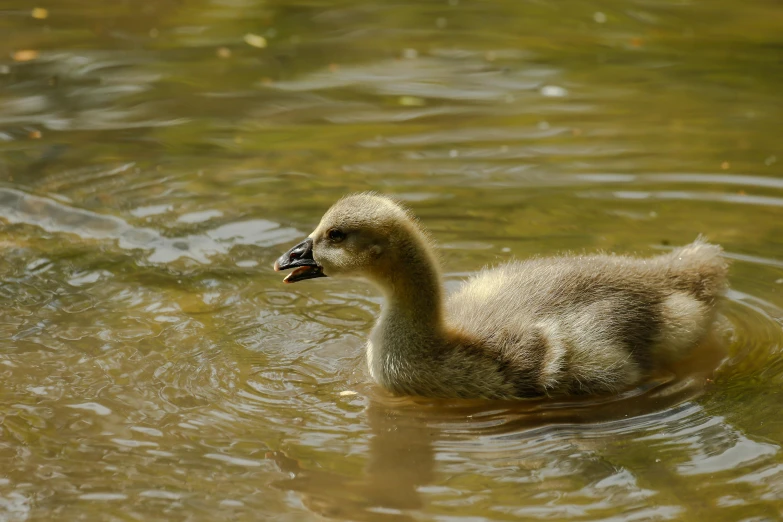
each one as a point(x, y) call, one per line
point(300, 255)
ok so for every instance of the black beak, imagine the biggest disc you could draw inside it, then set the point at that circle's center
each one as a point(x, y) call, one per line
point(301, 258)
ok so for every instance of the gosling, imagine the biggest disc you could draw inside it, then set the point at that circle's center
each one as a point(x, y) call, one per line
point(553, 326)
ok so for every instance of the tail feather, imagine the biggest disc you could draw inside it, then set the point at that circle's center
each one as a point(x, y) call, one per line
point(700, 269)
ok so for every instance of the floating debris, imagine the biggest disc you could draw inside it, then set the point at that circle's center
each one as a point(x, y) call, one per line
point(24, 55)
point(39, 13)
point(223, 52)
point(553, 91)
point(411, 101)
point(348, 393)
point(255, 40)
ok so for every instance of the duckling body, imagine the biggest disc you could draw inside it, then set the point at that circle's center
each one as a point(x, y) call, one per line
point(546, 326)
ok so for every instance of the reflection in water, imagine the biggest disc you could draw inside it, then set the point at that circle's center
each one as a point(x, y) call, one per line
point(412, 439)
point(401, 462)
point(153, 164)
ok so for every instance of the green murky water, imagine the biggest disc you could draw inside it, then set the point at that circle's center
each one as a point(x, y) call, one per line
point(156, 156)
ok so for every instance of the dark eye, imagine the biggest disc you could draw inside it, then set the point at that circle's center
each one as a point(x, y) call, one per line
point(336, 235)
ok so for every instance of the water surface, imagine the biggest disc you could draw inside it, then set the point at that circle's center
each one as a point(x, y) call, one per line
point(157, 156)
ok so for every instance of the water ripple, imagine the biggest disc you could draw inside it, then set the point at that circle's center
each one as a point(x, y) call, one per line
point(18, 207)
point(743, 199)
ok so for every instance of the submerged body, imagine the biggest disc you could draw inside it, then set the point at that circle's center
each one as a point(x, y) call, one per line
point(547, 326)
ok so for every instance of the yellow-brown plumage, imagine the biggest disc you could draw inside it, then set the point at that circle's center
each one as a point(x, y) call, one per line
point(547, 326)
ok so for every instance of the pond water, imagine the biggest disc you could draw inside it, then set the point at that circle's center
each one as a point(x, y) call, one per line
point(156, 156)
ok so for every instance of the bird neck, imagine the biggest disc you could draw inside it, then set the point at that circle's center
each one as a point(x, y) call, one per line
point(413, 319)
point(413, 292)
point(411, 328)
